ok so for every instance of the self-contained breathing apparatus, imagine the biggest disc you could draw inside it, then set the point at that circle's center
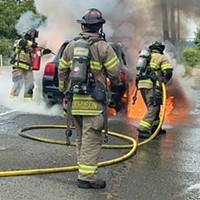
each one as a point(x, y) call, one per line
point(13, 53)
point(82, 79)
point(79, 77)
point(144, 71)
point(143, 63)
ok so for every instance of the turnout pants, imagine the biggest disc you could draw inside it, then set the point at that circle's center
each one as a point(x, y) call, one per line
point(19, 77)
point(151, 118)
point(88, 145)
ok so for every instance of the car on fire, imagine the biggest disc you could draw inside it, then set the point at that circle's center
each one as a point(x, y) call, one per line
point(53, 96)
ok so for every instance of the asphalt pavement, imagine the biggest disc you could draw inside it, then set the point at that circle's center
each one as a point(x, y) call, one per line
point(167, 168)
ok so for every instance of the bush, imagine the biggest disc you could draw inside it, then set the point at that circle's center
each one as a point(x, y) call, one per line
point(191, 56)
point(6, 46)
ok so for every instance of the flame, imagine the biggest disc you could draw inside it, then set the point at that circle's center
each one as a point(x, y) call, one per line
point(138, 109)
point(169, 106)
point(111, 112)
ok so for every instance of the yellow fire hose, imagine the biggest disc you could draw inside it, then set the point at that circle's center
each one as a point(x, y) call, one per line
point(162, 118)
point(133, 146)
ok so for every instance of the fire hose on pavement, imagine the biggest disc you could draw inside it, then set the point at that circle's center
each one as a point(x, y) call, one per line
point(133, 146)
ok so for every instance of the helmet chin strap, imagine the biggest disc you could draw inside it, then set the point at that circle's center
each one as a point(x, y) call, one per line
point(102, 34)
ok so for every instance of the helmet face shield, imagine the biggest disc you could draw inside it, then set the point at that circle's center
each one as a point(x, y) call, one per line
point(32, 33)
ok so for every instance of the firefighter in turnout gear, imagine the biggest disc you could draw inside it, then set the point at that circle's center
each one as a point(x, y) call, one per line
point(22, 64)
point(157, 70)
point(87, 109)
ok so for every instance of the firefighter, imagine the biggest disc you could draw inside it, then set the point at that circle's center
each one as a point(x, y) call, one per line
point(88, 115)
point(21, 64)
point(158, 70)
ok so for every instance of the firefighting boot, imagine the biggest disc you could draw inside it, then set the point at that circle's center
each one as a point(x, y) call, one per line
point(143, 134)
point(28, 99)
point(99, 184)
point(12, 96)
point(161, 131)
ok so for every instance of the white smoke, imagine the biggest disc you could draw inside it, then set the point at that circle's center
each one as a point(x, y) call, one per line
point(179, 87)
point(27, 21)
point(127, 21)
point(36, 105)
point(62, 15)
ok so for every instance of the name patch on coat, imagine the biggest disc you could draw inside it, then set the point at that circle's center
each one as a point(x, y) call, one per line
point(85, 105)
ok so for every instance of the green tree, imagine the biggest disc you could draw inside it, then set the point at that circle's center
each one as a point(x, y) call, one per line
point(11, 11)
point(4, 42)
point(191, 57)
point(197, 37)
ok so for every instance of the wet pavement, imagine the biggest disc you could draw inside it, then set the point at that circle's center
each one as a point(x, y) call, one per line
point(167, 168)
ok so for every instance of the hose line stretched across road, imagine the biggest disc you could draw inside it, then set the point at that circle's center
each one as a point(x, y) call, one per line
point(133, 146)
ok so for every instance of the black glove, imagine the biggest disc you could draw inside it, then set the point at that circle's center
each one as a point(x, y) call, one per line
point(34, 45)
point(153, 76)
point(23, 43)
point(46, 51)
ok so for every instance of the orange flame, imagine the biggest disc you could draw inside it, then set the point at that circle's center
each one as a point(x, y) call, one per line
point(111, 112)
point(169, 106)
point(138, 110)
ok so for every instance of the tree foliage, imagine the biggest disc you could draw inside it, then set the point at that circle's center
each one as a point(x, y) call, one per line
point(191, 56)
point(11, 11)
point(197, 37)
point(5, 46)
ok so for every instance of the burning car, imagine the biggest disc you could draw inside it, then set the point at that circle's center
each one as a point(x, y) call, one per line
point(119, 97)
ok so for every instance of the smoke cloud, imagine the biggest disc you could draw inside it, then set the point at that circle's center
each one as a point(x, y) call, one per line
point(135, 23)
point(27, 21)
point(132, 22)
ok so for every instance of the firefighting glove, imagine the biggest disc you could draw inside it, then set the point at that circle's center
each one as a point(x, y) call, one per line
point(166, 75)
point(46, 51)
point(23, 43)
point(153, 76)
